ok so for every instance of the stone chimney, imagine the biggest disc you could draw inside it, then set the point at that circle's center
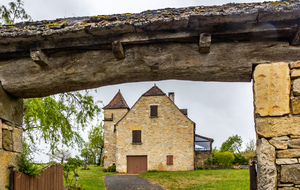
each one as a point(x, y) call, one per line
point(172, 96)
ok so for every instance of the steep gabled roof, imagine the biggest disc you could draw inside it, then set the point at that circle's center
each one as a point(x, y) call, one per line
point(154, 91)
point(117, 102)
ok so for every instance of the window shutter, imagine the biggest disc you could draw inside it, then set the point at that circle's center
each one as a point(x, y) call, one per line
point(153, 111)
point(136, 136)
point(169, 159)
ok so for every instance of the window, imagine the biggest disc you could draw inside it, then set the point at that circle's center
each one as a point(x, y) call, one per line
point(153, 111)
point(136, 136)
point(169, 159)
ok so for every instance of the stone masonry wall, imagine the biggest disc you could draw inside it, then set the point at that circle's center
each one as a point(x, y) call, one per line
point(277, 123)
point(111, 117)
point(10, 134)
point(171, 133)
point(201, 157)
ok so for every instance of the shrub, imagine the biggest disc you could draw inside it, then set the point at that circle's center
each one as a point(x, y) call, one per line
point(104, 170)
point(239, 159)
point(224, 158)
point(199, 167)
point(112, 168)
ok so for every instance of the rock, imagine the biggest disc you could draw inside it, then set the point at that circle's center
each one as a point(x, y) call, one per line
point(288, 188)
point(290, 173)
point(296, 87)
point(294, 143)
point(289, 153)
point(294, 136)
point(285, 185)
point(295, 73)
point(278, 143)
point(272, 89)
point(17, 140)
point(0, 134)
point(281, 161)
point(7, 140)
point(11, 108)
point(7, 159)
point(295, 65)
point(277, 126)
point(296, 106)
point(267, 173)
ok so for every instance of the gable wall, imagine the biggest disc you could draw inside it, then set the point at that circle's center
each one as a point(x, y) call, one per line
point(110, 135)
point(171, 133)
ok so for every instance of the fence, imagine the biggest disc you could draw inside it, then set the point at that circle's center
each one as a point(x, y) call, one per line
point(50, 178)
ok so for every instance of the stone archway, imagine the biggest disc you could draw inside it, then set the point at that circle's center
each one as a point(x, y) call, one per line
point(225, 43)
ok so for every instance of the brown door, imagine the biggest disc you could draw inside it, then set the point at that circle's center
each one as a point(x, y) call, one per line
point(136, 164)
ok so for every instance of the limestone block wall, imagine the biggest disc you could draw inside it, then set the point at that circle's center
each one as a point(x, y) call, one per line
point(171, 133)
point(10, 134)
point(111, 117)
point(277, 123)
point(201, 157)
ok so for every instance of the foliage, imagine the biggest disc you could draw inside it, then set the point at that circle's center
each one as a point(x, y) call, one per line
point(71, 166)
point(250, 146)
point(201, 179)
point(111, 168)
point(14, 11)
point(92, 179)
point(60, 155)
point(199, 167)
point(239, 159)
point(26, 164)
point(224, 158)
point(58, 118)
point(96, 141)
point(232, 144)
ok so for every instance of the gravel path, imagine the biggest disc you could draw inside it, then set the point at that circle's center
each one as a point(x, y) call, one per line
point(128, 182)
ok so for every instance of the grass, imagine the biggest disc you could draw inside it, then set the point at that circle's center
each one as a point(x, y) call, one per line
point(92, 179)
point(201, 179)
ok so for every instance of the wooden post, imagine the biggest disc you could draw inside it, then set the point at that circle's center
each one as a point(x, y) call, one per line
point(253, 176)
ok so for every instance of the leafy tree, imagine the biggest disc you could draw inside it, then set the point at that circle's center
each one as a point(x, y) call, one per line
point(60, 155)
point(14, 11)
point(250, 146)
point(59, 118)
point(96, 141)
point(25, 162)
point(232, 144)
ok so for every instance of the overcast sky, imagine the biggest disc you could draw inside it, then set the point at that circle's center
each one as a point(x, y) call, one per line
point(218, 109)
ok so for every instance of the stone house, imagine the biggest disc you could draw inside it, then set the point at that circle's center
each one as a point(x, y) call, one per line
point(153, 135)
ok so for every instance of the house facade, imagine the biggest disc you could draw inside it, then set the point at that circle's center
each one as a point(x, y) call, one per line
point(153, 135)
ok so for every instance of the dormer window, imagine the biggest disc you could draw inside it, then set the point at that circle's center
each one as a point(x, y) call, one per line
point(153, 111)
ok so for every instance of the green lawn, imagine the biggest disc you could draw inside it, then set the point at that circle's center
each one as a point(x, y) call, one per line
point(201, 179)
point(92, 179)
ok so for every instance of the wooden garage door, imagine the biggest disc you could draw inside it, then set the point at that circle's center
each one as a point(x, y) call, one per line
point(136, 164)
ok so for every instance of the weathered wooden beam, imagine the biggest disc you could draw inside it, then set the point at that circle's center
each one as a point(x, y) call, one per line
point(204, 43)
point(77, 70)
point(296, 38)
point(39, 57)
point(118, 50)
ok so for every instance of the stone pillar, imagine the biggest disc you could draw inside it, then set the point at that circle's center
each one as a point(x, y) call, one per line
point(277, 123)
point(11, 116)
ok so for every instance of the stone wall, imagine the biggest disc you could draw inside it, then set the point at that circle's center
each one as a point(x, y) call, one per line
point(277, 123)
point(10, 134)
point(111, 117)
point(201, 157)
point(171, 133)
